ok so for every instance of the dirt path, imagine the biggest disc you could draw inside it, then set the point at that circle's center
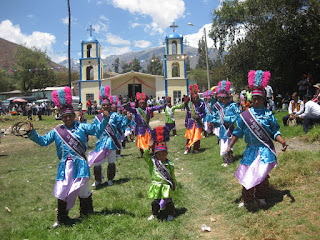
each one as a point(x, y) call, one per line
point(298, 144)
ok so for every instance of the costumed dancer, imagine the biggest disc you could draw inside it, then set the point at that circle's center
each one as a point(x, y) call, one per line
point(162, 174)
point(120, 128)
point(130, 130)
point(108, 140)
point(142, 118)
point(193, 123)
point(207, 120)
point(170, 121)
point(73, 171)
point(225, 114)
point(259, 126)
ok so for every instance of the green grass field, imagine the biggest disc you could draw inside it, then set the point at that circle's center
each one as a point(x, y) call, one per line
point(207, 193)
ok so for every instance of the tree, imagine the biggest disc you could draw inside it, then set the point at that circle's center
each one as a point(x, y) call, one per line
point(116, 65)
point(188, 66)
point(135, 65)
point(281, 36)
point(125, 67)
point(7, 81)
point(202, 55)
point(39, 76)
point(200, 77)
point(154, 67)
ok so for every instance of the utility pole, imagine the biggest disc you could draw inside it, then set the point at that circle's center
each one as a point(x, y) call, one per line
point(69, 37)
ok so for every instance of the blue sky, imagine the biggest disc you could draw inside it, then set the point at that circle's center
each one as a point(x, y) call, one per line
point(120, 25)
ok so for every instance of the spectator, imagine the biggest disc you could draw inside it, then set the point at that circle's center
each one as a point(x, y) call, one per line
point(303, 86)
point(296, 107)
point(245, 104)
point(269, 97)
point(89, 106)
point(311, 113)
point(286, 101)
point(80, 107)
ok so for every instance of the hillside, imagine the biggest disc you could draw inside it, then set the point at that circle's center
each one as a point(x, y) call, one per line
point(7, 60)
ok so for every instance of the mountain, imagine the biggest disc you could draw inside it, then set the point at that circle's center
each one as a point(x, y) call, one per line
point(8, 50)
point(144, 56)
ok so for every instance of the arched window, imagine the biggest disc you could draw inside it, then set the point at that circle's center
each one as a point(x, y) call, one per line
point(89, 47)
point(175, 69)
point(174, 47)
point(88, 72)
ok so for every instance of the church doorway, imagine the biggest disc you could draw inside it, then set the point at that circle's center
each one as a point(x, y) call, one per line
point(133, 89)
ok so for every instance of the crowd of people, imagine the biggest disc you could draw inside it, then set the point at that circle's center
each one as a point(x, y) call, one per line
point(121, 119)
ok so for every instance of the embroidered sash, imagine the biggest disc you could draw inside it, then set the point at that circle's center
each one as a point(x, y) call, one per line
point(72, 142)
point(208, 107)
point(164, 172)
point(144, 116)
point(229, 127)
point(194, 113)
point(111, 132)
point(257, 130)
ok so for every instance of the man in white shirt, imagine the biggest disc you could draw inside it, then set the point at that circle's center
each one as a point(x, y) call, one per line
point(269, 97)
point(311, 113)
point(296, 107)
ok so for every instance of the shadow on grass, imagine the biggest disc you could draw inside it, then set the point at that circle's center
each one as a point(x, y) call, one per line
point(236, 158)
point(107, 211)
point(117, 182)
point(275, 196)
point(164, 214)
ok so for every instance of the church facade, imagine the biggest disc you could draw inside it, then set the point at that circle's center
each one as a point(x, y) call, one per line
point(174, 83)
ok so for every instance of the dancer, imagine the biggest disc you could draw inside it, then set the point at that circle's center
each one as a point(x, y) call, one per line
point(108, 140)
point(170, 121)
point(259, 126)
point(142, 118)
point(162, 174)
point(193, 122)
point(207, 120)
point(73, 172)
point(224, 116)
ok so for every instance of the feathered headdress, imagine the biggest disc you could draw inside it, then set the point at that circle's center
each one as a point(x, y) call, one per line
point(104, 95)
point(168, 99)
point(223, 88)
point(132, 104)
point(193, 90)
point(141, 97)
point(257, 81)
point(119, 105)
point(160, 136)
point(63, 100)
point(114, 99)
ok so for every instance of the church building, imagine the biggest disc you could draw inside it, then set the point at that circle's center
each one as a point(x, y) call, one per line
point(174, 83)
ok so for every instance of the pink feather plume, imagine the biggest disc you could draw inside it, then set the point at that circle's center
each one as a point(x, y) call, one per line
point(228, 86)
point(190, 89)
point(265, 79)
point(143, 96)
point(107, 91)
point(195, 88)
point(138, 96)
point(68, 95)
point(251, 77)
point(55, 98)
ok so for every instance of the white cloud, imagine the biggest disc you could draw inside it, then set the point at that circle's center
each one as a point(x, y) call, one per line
point(30, 16)
point(116, 40)
point(193, 39)
point(134, 25)
point(107, 51)
point(65, 20)
point(40, 40)
point(163, 13)
point(142, 44)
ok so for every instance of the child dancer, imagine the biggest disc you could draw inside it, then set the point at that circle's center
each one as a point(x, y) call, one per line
point(170, 121)
point(224, 116)
point(162, 174)
point(259, 126)
point(207, 120)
